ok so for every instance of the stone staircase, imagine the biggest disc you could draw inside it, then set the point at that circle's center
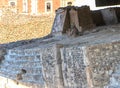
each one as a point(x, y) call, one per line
point(23, 65)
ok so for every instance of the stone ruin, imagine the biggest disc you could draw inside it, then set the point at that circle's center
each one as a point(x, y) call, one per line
point(76, 20)
point(72, 20)
point(59, 61)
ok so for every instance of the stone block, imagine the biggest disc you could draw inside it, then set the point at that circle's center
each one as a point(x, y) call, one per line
point(16, 52)
point(109, 16)
point(58, 25)
point(104, 62)
point(73, 67)
point(85, 18)
point(97, 18)
point(49, 64)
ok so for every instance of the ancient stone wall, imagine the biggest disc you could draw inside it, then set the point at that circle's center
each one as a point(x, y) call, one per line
point(61, 66)
point(103, 65)
point(73, 67)
point(109, 16)
point(97, 18)
point(69, 19)
point(85, 18)
point(106, 16)
point(31, 66)
point(77, 20)
point(50, 67)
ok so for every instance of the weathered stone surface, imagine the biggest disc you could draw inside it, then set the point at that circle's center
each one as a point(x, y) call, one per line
point(22, 66)
point(109, 16)
point(104, 62)
point(49, 63)
point(74, 21)
point(59, 21)
point(85, 18)
point(73, 67)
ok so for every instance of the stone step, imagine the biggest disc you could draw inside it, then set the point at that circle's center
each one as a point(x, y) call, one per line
point(27, 52)
point(30, 75)
point(33, 78)
point(7, 75)
point(13, 68)
point(20, 66)
point(9, 71)
point(17, 62)
point(22, 58)
point(15, 52)
point(26, 78)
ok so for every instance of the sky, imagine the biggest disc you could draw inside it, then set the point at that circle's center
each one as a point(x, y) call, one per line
point(91, 3)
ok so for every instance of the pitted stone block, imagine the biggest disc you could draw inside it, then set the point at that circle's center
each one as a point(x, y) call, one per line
point(104, 62)
point(73, 66)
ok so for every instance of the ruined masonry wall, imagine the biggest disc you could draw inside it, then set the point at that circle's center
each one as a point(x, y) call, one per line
point(103, 65)
point(40, 66)
point(61, 66)
point(73, 67)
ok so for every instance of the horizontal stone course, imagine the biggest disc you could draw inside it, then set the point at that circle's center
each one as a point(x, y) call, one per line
point(27, 52)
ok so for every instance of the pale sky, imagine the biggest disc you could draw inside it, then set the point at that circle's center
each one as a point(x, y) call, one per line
point(91, 3)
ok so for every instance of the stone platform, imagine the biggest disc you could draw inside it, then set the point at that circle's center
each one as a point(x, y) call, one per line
point(88, 61)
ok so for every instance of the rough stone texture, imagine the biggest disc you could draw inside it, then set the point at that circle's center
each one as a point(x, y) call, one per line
point(103, 63)
point(23, 66)
point(85, 18)
point(33, 66)
point(49, 62)
point(74, 21)
point(78, 17)
point(59, 21)
point(61, 66)
point(97, 15)
point(73, 67)
point(109, 16)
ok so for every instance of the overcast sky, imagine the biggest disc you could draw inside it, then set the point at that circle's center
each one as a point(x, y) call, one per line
point(90, 3)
